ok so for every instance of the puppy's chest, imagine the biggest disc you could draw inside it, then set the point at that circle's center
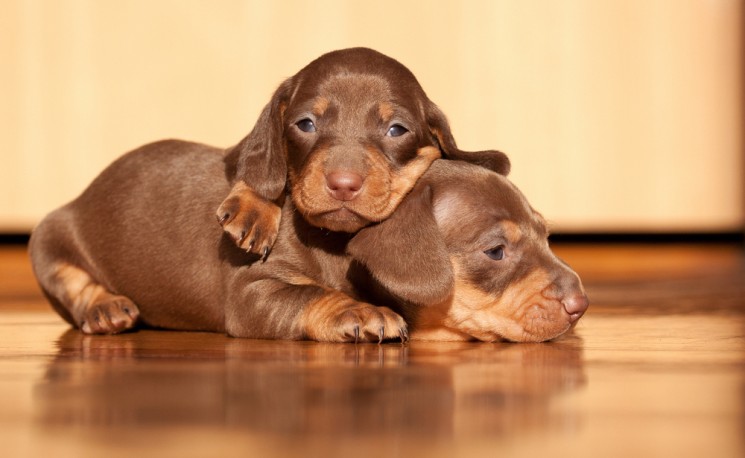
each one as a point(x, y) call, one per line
point(317, 254)
point(333, 271)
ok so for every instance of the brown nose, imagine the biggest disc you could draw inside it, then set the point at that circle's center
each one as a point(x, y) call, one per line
point(343, 185)
point(576, 306)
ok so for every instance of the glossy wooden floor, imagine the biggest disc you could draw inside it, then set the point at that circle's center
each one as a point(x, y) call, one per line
point(656, 368)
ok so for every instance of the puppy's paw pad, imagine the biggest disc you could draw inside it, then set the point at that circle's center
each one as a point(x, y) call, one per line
point(111, 316)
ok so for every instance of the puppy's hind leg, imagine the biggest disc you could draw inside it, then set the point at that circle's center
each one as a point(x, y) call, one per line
point(94, 309)
point(59, 263)
point(81, 300)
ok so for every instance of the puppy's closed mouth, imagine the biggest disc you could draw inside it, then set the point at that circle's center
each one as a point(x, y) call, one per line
point(341, 219)
point(342, 213)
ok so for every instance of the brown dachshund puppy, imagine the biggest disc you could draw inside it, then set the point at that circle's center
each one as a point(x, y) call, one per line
point(463, 256)
point(348, 136)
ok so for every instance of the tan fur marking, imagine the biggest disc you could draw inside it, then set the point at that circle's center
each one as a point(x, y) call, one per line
point(308, 187)
point(439, 334)
point(80, 289)
point(320, 105)
point(519, 313)
point(404, 180)
point(440, 139)
point(512, 231)
point(317, 317)
point(74, 279)
point(239, 189)
point(93, 308)
point(334, 316)
point(385, 109)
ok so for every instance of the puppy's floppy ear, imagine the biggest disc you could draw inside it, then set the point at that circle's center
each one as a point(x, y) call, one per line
point(493, 160)
point(260, 159)
point(406, 253)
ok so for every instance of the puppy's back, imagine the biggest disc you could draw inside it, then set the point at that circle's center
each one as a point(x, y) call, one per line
point(138, 228)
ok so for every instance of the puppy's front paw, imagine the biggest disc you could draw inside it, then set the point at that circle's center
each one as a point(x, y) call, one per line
point(111, 316)
point(250, 220)
point(368, 323)
point(336, 317)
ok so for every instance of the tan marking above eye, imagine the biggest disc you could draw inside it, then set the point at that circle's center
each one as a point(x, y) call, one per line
point(320, 106)
point(385, 110)
point(512, 231)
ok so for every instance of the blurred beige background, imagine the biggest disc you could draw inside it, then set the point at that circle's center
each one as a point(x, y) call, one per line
point(619, 115)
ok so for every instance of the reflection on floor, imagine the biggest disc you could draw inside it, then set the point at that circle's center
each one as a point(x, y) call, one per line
point(656, 368)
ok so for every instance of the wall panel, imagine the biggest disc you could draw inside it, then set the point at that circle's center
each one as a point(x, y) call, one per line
point(618, 115)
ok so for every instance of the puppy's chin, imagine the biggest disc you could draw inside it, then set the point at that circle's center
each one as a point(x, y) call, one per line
point(339, 220)
point(544, 335)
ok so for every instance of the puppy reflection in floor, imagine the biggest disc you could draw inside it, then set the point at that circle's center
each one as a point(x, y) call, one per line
point(166, 380)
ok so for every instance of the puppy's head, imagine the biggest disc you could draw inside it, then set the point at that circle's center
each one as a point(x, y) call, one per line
point(356, 131)
point(469, 258)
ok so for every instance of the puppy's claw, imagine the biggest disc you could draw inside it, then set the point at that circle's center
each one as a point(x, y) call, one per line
point(381, 334)
point(222, 219)
point(265, 254)
point(356, 334)
point(404, 334)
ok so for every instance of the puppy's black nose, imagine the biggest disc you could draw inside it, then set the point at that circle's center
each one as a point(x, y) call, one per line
point(344, 185)
point(576, 306)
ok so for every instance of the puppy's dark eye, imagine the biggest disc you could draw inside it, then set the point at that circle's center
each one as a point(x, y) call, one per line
point(306, 125)
point(496, 253)
point(396, 130)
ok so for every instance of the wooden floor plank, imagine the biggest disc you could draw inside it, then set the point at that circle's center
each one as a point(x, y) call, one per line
point(656, 368)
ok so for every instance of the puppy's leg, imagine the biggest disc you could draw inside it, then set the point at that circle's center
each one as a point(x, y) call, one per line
point(273, 309)
point(57, 257)
point(92, 308)
point(72, 291)
point(251, 220)
point(334, 316)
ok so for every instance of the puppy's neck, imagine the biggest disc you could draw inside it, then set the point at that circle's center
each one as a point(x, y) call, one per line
point(318, 238)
